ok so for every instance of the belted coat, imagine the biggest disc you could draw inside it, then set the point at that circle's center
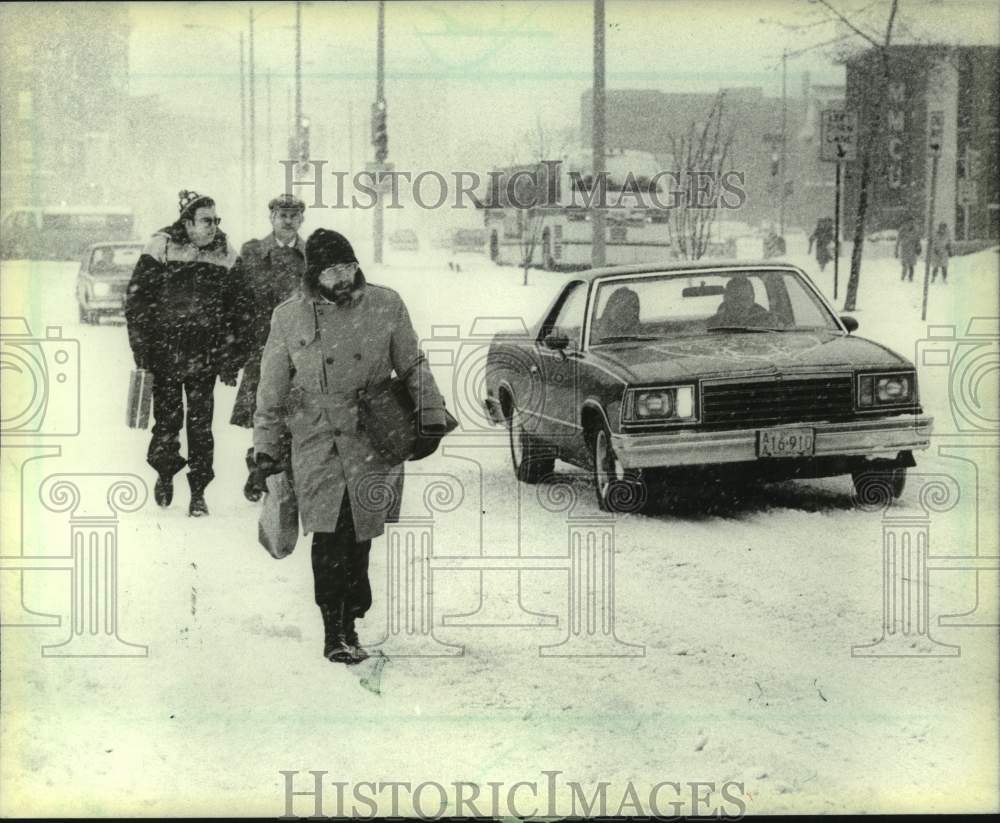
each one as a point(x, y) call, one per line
point(317, 356)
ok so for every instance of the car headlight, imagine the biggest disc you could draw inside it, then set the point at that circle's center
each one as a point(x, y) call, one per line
point(672, 403)
point(886, 389)
point(101, 289)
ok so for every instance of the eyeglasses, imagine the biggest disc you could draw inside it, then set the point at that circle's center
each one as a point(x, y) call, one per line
point(341, 268)
point(208, 221)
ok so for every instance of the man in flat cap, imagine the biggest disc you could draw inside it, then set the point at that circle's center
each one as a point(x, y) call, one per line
point(182, 310)
point(271, 271)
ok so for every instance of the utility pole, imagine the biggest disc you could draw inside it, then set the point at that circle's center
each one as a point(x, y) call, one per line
point(784, 140)
point(243, 136)
point(598, 249)
point(253, 122)
point(297, 128)
point(270, 141)
point(934, 139)
point(378, 120)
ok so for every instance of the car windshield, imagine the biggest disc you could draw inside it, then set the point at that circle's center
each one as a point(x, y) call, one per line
point(114, 258)
point(659, 306)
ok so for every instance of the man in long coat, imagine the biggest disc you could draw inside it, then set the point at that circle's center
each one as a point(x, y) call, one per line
point(182, 315)
point(907, 248)
point(270, 271)
point(341, 335)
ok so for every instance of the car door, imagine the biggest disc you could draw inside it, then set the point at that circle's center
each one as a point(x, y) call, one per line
point(561, 368)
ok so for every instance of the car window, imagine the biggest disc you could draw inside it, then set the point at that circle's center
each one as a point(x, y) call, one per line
point(114, 257)
point(662, 306)
point(569, 320)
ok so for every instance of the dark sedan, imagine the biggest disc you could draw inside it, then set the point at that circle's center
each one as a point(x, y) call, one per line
point(650, 375)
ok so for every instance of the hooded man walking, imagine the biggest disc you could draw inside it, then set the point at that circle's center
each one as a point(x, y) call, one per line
point(182, 315)
point(270, 270)
point(340, 336)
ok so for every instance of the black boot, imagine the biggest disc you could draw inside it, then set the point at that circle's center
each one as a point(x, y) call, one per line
point(358, 652)
point(163, 491)
point(335, 646)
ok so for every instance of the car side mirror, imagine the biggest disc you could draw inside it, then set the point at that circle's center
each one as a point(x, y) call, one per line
point(556, 341)
point(849, 323)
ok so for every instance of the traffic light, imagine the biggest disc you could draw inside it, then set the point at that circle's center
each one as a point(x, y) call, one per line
point(380, 134)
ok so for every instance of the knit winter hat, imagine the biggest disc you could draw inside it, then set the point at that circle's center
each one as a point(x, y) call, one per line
point(188, 202)
point(326, 248)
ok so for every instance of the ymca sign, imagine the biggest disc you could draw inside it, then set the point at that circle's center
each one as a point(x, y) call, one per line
point(838, 136)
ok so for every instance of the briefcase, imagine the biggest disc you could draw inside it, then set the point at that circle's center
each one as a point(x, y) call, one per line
point(390, 417)
point(140, 398)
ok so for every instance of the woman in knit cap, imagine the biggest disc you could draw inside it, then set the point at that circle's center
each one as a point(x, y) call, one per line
point(340, 335)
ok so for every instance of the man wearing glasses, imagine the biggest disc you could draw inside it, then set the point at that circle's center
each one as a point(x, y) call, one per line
point(270, 270)
point(340, 335)
point(182, 310)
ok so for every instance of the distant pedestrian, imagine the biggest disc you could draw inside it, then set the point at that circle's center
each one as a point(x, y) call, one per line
point(181, 310)
point(940, 252)
point(907, 248)
point(270, 271)
point(822, 237)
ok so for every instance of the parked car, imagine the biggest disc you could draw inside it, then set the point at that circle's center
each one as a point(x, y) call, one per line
point(105, 271)
point(404, 240)
point(648, 374)
point(61, 232)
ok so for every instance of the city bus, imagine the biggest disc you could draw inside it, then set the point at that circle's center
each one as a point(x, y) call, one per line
point(557, 235)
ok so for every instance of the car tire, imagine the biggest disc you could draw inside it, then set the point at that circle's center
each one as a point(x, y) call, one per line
point(876, 489)
point(618, 489)
point(529, 462)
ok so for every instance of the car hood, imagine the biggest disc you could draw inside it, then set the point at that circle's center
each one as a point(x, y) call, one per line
point(744, 354)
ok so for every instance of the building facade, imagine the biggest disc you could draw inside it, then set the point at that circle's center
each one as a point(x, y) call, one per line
point(921, 95)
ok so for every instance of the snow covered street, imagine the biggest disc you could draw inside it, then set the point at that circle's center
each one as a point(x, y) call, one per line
point(736, 616)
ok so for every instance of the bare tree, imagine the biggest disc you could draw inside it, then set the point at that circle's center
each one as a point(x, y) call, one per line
point(871, 119)
point(699, 156)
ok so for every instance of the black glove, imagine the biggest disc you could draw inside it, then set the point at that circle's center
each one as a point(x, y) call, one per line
point(428, 439)
point(265, 466)
point(228, 376)
point(141, 360)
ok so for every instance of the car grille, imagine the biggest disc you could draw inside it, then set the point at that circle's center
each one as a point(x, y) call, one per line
point(769, 402)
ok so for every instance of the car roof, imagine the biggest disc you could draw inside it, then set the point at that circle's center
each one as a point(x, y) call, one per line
point(680, 267)
point(117, 243)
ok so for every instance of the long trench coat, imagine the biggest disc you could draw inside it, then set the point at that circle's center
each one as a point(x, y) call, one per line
point(317, 356)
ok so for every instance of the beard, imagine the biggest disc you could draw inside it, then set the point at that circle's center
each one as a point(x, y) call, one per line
point(339, 294)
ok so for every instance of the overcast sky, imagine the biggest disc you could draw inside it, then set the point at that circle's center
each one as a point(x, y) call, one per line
point(466, 81)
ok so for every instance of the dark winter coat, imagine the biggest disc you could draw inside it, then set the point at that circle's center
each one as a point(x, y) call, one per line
point(182, 305)
point(269, 275)
point(908, 246)
point(317, 356)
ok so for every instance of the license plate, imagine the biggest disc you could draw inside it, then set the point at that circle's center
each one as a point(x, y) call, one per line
point(785, 442)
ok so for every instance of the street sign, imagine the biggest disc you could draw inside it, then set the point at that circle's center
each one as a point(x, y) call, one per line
point(838, 136)
point(968, 192)
point(935, 132)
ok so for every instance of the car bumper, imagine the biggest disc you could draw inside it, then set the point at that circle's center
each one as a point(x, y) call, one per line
point(882, 438)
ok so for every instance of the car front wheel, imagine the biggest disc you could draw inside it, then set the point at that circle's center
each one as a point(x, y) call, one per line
point(529, 462)
point(618, 489)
